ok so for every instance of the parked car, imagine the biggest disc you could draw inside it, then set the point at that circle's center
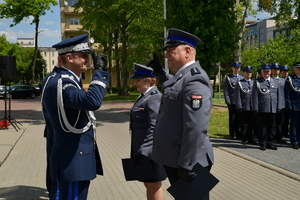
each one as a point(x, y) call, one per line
point(2, 91)
point(22, 91)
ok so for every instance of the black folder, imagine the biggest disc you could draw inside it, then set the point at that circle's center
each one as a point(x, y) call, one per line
point(132, 172)
point(196, 189)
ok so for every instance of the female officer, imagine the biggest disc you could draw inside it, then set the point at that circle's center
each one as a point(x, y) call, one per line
point(142, 121)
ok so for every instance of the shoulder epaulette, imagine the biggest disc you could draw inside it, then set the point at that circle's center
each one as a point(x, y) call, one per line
point(195, 70)
point(154, 92)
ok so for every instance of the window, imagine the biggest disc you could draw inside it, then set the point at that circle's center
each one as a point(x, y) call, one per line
point(260, 40)
point(83, 75)
point(45, 53)
point(52, 62)
point(74, 21)
point(71, 2)
point(52, 53)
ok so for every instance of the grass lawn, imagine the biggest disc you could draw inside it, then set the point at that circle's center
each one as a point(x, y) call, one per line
point(218, 123)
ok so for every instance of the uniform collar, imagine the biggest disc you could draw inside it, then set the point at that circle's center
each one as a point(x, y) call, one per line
point(78, 78)
point(184, 66)
point(147, 90)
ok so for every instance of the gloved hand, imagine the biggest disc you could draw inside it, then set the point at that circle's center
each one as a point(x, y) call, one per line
point(290, 110)
point(278, 110)
point(155, 65)
point(138, 158)
point(99, 61)
point(186, 175)
point(228, 105)
point(239, 110)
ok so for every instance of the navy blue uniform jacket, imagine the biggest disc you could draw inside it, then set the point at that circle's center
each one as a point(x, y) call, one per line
point(74, 156)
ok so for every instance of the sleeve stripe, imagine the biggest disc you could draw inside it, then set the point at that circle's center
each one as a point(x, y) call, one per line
point(99, 83)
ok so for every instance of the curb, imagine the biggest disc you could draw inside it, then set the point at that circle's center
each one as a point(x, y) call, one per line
point(262, 163)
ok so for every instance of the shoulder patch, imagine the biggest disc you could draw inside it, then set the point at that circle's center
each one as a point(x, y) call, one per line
point(195, 70)
point(154, 92)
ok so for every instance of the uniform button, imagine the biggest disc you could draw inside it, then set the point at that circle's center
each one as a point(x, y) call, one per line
point(190, 163)
point(80, 153)
point(104, 78)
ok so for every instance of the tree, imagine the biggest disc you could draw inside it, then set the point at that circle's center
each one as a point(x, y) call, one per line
point(213, 22)
point(128, 24)
point(282, 49)
point(285, 12)
point(20, 9)
point(23, 59)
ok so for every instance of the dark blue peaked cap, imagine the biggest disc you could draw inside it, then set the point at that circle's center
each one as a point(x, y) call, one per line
point(247, 69)
point(236, 64)
point(78, 43)
point(275, 66)
point(176, 37)
point(297, 65)
point(265, 66)
point(284, 68)
point(141, 71)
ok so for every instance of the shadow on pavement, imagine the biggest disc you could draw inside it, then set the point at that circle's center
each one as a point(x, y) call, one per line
point(20, 191)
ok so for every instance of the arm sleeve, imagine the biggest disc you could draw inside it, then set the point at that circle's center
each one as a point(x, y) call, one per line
point(195, 122)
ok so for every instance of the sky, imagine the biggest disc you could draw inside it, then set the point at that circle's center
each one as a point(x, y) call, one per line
point(50, 27)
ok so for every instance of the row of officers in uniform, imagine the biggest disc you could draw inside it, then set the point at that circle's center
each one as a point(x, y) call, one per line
point(267, 108)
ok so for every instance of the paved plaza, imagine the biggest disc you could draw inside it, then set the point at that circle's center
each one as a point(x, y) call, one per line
point(244, 172)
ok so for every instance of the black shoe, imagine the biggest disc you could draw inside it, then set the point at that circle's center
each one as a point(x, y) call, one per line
point(271, 147)
point(295, 146)
point(281, 141)
point(262, 147)
point(252, 142)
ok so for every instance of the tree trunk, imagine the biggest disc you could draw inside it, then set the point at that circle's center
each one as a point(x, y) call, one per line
point(37, 21)
point(124, 67)
point(242, 29)
point(116, 35)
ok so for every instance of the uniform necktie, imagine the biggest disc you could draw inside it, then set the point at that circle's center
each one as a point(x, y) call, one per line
point(268, 82)
point(141, 96)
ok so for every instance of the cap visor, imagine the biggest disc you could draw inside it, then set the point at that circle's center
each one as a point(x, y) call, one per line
point(136, 76)
point(170, 45)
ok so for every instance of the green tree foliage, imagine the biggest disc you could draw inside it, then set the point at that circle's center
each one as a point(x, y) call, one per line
point(214, 22)
point(285, 12)
point(281, 49)
point(23, 60)
point(20, 9)
point(129, 30)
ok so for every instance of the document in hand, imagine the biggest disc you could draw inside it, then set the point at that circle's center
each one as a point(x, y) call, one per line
point(132, 172)
point(195, 190)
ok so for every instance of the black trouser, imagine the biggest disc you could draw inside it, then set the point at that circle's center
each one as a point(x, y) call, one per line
point(266, 123)
point(286, 122)
point(246, 123)
point(279, 119)
point(173, 176)
point(233, 122)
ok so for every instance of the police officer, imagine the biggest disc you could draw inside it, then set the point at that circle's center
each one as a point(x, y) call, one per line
point(180, 138)
point(74, 159)
point(284, 72)
point(292, 96)
point(266, 102)
point(242, 98)
point(229, 88)
point(48, 131)
point(143, 116)
point(275, 71)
